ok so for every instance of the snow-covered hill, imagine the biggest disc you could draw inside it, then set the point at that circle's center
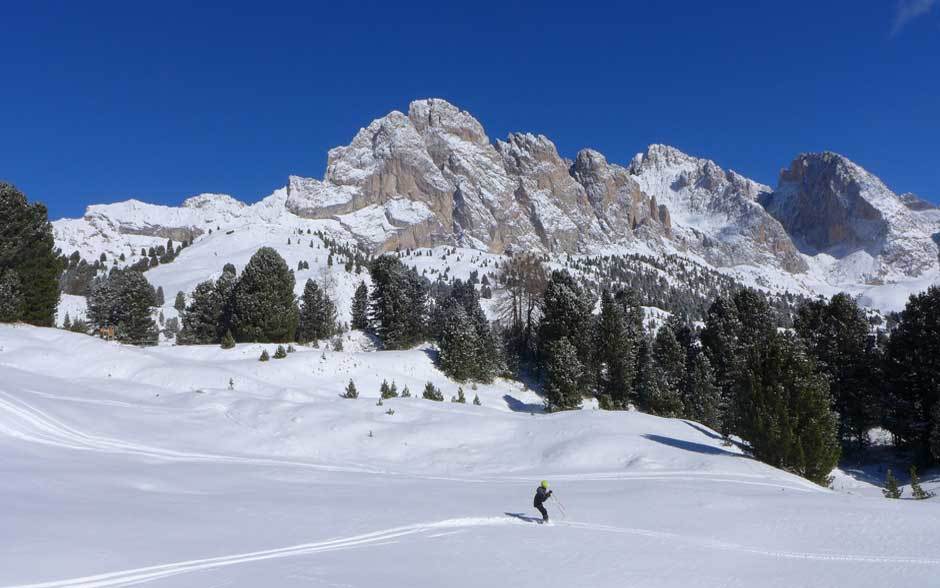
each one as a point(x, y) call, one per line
point(127, 466)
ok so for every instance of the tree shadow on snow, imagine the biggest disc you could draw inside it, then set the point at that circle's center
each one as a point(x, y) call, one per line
point(517, 405)
point(524, 517)
point(709, 433)
point(690, 445)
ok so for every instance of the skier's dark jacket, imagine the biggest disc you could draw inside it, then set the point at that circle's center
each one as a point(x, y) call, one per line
point(541, 495)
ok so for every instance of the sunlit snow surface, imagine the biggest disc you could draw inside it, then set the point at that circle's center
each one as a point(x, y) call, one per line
point(121, 466)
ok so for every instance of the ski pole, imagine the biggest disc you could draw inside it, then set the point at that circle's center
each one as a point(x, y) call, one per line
point(564, 514)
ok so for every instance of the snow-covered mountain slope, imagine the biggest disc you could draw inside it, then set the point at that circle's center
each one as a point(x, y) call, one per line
point(432, 177)
point(132, 466)
point(833, 207)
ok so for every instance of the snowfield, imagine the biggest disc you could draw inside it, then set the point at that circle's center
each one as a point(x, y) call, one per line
point(122, 466)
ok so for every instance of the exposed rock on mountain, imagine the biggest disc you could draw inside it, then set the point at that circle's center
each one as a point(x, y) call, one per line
point(831, 206)
point(433, 177)
point(716, 212)
point(915, 202)
point(521, 193)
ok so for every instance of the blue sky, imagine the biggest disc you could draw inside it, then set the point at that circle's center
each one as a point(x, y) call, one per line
point(105, 101)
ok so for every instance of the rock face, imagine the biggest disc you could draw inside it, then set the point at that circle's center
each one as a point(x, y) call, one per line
point(521, 194)
point(832, 206)
point(915, 202)
point(716, 213)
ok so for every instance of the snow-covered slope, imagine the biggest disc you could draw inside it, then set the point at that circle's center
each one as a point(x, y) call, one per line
point(126, 466)
point(835, 209)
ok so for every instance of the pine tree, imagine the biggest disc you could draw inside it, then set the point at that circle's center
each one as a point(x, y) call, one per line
point(180, 303)
point(702, 398)
point(360, 307)
point(567, 313)
point(385, 391)
point(432, 393)
point(458, 344)
point(28, 257)
point(912, 369)
point(67, 322)
point(783, 410)
point(460, 398)
point(563, 376)
point(648, 380)
point(280, 352)
point(160, 296)
point(406, 393)
point(476, 397)
point(836, 333)
point(264, 307)
point(228, 341)
point(264, 355)
point(399, 303)
point(917, 492)
point(11, 301)
point(615, 353)
point(891, 489)
point(317, 314)
point(124, 300)
point(201, 319)
point(669, 362)
point(351, 391)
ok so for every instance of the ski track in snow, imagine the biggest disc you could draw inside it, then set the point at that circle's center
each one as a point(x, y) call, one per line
point(31, 424)
point(429, 531)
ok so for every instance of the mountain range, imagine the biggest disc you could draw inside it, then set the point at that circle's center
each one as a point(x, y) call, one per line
point(432, 177)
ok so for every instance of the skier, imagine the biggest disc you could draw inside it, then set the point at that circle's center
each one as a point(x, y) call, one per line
point(541, 495)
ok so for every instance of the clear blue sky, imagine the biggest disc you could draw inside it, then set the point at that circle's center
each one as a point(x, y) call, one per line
point(160, 100)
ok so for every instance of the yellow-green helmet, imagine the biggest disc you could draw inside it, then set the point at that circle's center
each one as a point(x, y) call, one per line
point(544, 484)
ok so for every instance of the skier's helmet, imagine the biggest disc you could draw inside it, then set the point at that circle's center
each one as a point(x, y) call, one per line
point(544, 484)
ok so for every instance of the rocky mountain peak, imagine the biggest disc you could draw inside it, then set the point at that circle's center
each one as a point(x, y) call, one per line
point(831, 205)
point(915, 202)
point(437, 114)
point(212, 201)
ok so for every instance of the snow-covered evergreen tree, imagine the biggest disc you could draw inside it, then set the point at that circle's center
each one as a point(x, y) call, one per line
point(264, 355)
point(280, 352)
